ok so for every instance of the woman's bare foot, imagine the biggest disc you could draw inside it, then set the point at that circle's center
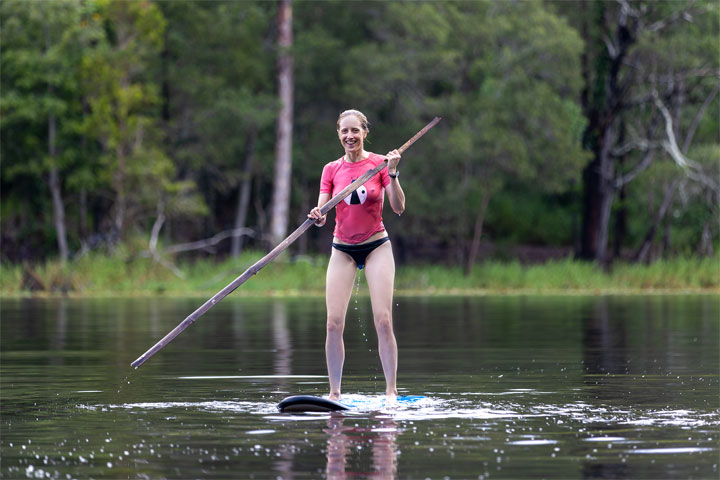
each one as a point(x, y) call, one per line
point(334, 397)
point(391, 399)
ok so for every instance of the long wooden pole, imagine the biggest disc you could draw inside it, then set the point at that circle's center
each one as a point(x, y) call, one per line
point(273, 253)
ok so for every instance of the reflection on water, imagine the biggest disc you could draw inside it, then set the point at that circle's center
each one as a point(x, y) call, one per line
point(511, 387)
point(347, 443)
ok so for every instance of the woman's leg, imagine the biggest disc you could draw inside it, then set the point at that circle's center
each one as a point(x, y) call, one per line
point(380, 274)
point(339, 284)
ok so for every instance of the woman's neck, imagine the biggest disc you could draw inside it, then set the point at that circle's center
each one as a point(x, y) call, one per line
point(354, 157)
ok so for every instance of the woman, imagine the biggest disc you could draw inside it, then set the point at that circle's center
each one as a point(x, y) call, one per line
point(360, 241)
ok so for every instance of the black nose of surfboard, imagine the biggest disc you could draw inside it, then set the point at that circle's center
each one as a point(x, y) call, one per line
point(309, 403)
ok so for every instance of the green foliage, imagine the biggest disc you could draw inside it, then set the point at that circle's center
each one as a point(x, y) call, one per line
point(521, 216)
point(161, 103)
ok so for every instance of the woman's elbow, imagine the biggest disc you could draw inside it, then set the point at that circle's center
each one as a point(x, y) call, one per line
point(399, 209)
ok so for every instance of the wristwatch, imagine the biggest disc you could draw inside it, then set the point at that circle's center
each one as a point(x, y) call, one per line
point(395, 175)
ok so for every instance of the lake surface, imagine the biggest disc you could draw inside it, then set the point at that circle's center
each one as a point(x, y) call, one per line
point(513, 387)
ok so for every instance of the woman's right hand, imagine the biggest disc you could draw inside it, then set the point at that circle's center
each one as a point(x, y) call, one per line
point(316, 215)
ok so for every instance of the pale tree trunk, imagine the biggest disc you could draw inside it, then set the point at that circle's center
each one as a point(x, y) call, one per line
point(83, 206)
point(477, 233)
point(122, 150)
point(283, 147)
point(83, 203)
point(155, 234)
point(705, 247)
point(120, 199)
point(55, 191)
point(244, 193)
point(54, 174)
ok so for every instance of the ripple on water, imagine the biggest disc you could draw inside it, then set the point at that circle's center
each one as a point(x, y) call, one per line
point(604, 439)
point(531, 442)
point(666, 451)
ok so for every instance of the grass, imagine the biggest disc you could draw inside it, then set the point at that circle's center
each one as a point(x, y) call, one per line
point(102, 275)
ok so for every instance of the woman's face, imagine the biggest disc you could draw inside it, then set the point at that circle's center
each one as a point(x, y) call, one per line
point(351, 134)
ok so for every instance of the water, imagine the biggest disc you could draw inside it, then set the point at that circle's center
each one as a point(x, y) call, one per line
point(514, 387)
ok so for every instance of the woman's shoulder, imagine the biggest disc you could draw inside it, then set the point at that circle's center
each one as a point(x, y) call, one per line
point(375, 158)
point(335, 164)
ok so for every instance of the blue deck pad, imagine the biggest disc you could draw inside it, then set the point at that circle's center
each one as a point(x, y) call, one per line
point(369, 403)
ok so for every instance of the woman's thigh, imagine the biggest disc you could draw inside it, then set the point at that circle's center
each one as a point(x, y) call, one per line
point(380, 275)
point(339, 284)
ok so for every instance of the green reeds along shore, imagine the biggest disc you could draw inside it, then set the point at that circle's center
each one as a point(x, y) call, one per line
point(102, 275)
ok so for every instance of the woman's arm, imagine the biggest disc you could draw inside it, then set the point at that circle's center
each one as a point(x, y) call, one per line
point(394, 190)
point(315, 214)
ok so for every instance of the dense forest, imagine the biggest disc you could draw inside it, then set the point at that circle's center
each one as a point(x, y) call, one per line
point(586, 128)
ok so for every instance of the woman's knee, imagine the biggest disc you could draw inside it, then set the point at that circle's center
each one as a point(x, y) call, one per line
point(335, 324)
point(383, 322)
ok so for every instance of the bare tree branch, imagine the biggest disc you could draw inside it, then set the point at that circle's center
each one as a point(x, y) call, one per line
point(644, 145)
point(698, 117)
point(612, 49)
point(157, 226)
point(209, 242)
point(641, 144)
point(686, 14)
point(670, 144)
point(639, 168)
point(152, 245)
point(692, 169)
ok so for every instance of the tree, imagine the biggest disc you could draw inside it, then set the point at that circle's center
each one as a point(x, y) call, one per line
point(629, 80)
point(283, 152)
point(504, 77)
point(220, 107)
point(40, 92)
point(123, 113)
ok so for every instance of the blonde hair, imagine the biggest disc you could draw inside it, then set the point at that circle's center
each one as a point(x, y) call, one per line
point(361, 116)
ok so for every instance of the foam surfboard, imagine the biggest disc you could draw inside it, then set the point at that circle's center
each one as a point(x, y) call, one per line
point(309, 403)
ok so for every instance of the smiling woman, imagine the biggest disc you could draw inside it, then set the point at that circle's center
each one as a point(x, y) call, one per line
point(360, 241)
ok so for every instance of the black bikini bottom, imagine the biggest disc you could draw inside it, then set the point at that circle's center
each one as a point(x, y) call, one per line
point(360, 252)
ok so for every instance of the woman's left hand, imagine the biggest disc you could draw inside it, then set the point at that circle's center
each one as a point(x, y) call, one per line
point(393, 158)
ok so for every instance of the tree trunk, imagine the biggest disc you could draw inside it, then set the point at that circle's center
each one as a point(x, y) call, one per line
point(621, 222)
point(83, 207)
point(84, 230)
point(283, 147)
point(705, 247)
point(602, 103)
point(55, 191)
point(54, 174)
point(592, 200)
point(244, 193)
point(620, 228)
point(642, 253)
point(120, 199)
point(477, 233)
point(599, 193)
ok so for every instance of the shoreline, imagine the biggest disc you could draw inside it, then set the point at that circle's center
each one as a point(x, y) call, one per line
point(405, 293)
